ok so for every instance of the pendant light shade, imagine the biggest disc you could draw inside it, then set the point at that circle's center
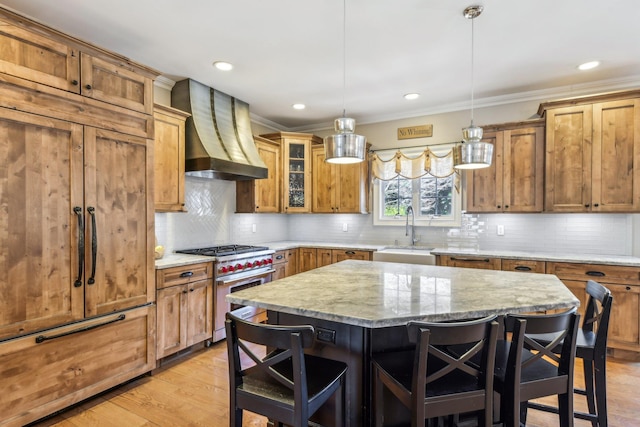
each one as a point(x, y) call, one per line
point(473, 153)
point(344, 146)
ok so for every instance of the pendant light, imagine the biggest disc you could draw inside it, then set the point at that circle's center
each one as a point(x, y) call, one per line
point(345, 146)
point(472, 153)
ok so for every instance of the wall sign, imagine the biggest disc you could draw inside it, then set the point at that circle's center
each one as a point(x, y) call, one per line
point(424, 131)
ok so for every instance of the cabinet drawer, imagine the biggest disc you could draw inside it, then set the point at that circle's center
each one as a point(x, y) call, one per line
point(280, 257)
point(73, 363)
point(523, 265)
point(338, 255)
point(469, 261)
point(183, 274)
point(598, 272)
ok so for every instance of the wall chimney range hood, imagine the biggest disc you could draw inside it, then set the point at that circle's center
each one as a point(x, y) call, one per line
point(218, 138)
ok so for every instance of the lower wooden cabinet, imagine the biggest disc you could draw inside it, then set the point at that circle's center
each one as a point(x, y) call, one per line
point(468, 261)
point(285, 263)
point(311, 258)
point(185, 307)
point(523, 265)
point(624, 284)
point(51, 370)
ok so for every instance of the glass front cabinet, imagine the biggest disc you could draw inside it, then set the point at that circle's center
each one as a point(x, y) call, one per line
point(296, 155)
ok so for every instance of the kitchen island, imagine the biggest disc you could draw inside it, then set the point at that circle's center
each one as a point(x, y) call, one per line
point(361, 307)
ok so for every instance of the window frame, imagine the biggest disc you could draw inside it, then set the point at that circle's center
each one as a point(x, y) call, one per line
point(453, 220)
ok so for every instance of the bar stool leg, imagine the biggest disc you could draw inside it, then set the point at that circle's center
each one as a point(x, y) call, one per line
point(601, 393)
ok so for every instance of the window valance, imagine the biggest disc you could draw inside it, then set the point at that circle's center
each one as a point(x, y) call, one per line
point(413, 162)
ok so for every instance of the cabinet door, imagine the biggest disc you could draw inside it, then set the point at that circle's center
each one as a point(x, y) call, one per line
point(616, 156)
point(40, 185)
point(37, 58)
point(168, 159)
point(307, 259)
point(624, 324)
point(323, 257)
point(297, 176)
point(351, 188)
point(523, 179)
point(172, 322)
point(119, 211)
point(325, 182)
point(268, 190)
point(484, 186)
point(115, 83)
point(292, 262)
point(568, 159)
point(199, 311)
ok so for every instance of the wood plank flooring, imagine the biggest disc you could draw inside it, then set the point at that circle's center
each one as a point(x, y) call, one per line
point(193, 391)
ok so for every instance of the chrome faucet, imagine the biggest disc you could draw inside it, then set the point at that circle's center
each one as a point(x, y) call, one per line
point(413, 226)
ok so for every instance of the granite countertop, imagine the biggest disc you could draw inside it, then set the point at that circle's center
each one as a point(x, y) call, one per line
point(544, 256)
point(380, 294)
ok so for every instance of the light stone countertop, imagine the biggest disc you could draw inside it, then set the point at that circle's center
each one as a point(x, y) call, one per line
point(288, 244)
point(380, 294)
point(544, 256)
point(176, 260)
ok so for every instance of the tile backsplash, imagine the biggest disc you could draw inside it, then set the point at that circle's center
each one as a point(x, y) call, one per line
point(211, 220)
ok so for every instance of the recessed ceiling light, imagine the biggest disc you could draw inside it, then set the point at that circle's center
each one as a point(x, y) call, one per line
point(411, 96)
point(588, 65)
point(299, 106)
point(222, 65)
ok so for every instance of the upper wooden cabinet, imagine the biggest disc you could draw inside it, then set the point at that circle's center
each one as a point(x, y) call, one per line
point(296, 161)
point(42, 55)
point(263, 195)
point(169, 159)
point(514, 182)
point(338, 188)
point(593, 153)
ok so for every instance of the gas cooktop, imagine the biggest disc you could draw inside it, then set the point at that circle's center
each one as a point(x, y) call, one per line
point(223, 250)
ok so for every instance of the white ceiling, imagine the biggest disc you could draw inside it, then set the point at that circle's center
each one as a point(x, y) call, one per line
point(291, 51)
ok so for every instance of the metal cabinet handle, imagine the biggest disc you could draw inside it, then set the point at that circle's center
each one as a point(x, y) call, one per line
point(78, 211)
point(349, 252)
point(74, 82)
point(470, 259)
point(595, 273)
point(88, 87)
point(186, 274)
point(42, 338)
point(279, 256)
point(94, 244)
point(523, 268)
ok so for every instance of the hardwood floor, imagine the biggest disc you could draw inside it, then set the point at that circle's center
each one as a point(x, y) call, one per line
point(193, 391)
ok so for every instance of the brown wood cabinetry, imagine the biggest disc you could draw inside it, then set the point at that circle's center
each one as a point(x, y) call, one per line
point(296, 170)
point(77, 230)
point(338, 255)
point(593, 153)
point(285, 263)
point(311, 258)
point(52, 59)
point(523, 265)
point(469, 261)
point(515, 181)
point(263, 195)
point(338, 188)
point(624, 284)
point(185, 307)
point(169, 159)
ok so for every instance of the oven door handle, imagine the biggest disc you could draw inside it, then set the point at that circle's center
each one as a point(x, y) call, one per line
point(244, 278)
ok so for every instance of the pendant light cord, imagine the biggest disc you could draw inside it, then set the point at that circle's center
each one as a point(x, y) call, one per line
point(472, 67)
point(344, 56)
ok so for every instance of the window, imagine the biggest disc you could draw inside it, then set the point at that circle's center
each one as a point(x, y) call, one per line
point(435, 200)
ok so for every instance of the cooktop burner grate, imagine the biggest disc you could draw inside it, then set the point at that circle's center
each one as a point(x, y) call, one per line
point(223, 250)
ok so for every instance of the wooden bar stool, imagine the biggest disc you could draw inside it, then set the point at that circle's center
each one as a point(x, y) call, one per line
point(286, 385)
point(438, 377)
point(591, 347)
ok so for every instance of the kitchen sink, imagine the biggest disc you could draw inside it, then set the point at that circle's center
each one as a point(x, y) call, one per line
point(419, 255)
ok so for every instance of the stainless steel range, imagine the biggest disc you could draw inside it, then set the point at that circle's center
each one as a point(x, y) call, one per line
point(236, 267)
